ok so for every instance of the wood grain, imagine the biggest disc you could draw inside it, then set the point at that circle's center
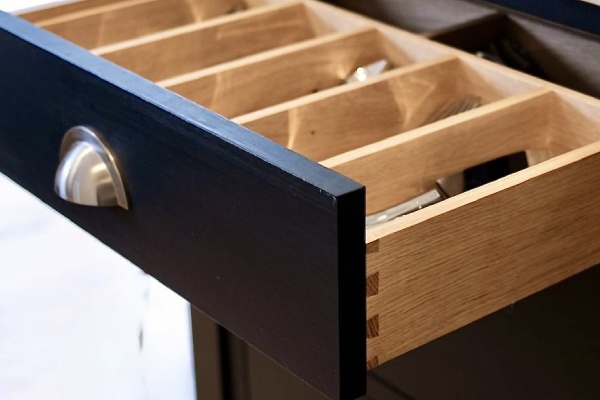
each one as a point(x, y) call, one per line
point(373, 327)
point(121, 21)
point(283, 74)
point(407, 165)
point(320, 127)
point(197, 46)
point(575, 120)
point(58, 10)
point(471, 255)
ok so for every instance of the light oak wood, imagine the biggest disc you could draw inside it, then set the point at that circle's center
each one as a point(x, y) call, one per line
point(576, 120)
point(407, 165)
point(322, 127)
point(459, 260)
point(59, 10)
point(537, 156)
point(197, 46)
point(134, 18)
point(283, 74)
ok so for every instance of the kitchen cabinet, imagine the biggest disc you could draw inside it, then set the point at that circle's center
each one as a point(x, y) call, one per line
point(269, 241)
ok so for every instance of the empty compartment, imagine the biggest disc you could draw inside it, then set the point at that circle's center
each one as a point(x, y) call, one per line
point(320, 127)
point(295, 71)
point(193, 47)
point(558, 54)
point(112, 23)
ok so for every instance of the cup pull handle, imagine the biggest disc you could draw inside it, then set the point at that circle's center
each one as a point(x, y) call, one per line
point(88, 174)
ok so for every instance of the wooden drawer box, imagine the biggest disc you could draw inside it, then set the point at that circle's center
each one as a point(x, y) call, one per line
point(271, 242)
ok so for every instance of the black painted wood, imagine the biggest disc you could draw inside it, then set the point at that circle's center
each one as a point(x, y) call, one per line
point(208, 357)
point(576, 14)
point(264, 241)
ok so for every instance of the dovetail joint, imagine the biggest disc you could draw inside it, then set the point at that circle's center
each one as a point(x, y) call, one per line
point(372, 363)
point(373, 247)
point(373, 284)
point(373, 327)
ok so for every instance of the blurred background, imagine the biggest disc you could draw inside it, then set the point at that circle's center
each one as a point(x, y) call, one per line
point(77, 321)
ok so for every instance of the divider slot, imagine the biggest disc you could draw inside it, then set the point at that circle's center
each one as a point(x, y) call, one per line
point(321, 127)
point(121, 21)
point(285, 74)
point(405, 166)
point(182, 50)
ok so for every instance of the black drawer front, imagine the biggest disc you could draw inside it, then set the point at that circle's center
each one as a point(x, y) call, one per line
point(264, 241)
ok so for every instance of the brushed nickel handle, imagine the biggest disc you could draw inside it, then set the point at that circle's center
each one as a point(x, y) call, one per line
point(88, 174)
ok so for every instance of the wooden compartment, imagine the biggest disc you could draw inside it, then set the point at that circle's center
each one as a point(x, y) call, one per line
point(192, 47)
point(294, 71)
point(43, 13)
point(327, 124)
point(113, 22)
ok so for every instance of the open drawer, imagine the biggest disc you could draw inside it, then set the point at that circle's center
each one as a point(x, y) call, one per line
point(265, 232)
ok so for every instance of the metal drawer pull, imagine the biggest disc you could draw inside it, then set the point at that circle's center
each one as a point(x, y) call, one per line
point(88, 174)
point(365, 72)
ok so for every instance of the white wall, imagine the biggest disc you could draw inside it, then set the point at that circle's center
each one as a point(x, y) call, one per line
point(72, 310)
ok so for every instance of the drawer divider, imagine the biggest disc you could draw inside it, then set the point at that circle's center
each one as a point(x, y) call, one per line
point(192, 47)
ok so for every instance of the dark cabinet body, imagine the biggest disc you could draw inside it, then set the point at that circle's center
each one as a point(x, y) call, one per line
point(544, 347)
